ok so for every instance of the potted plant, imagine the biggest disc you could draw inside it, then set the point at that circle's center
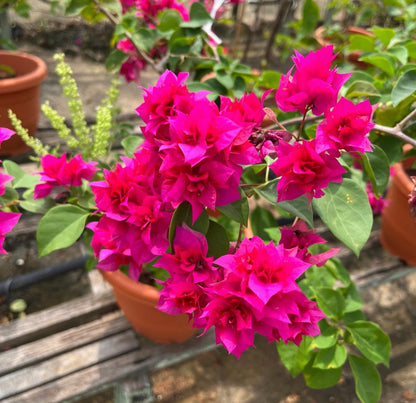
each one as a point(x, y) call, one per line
point(152, 212)
point(20, 92)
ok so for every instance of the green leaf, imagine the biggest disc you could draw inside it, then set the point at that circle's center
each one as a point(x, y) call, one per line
point(336, 268)
point(198, 16)
point(144, 39)
point(411, 48)
point(261, 219)
point(384, 34)
point(331, 302)
point(367, 379)
point(9, 196)
point(383, 61)
point(405, 86)
point(361, 42)
point(373, 343)
point(310, 17)
point(197, 86)
point(115, 59)
point(38, 206)
point(218, 244)
point(333, 357)
point(361, 88)
point(169, 20)
point(75, 7)
point(183, 214)
point(347, 213)
point(299, 207)
point(21, 178)
point(237, 210)
point(60, 227)
point(377, 167)
point(295, 358)
point(317, 378)
point(353, 300)
point(269, 79)
point(400, 53)
point(327, 338)
point(130, 143)
point(351, 317)
point(225, 79)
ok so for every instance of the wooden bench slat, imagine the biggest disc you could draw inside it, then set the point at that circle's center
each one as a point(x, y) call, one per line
point(57, 318)
point(91, 379)
point(64, 364)
point(59, 343)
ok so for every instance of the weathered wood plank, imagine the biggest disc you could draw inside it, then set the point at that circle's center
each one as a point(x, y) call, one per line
point(88, 380)
point(55, 319)
point(59, 343)
point(67, 363)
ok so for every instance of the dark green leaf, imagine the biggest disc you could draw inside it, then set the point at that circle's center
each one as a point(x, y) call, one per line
point(130, 144)
point(218, 243)
point(237, 210)
point(405, 86)
point(261, 219)
point(310, 17)
point(373, 343)
point(347, 213)
point(367, 379)
point(377, 167)
point(60, 227)
point(198, 16)
point(351, 317)
point(115, 59)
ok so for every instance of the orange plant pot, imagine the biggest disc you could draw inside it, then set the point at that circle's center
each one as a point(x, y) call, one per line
point(138, 302)
point(398, 228)
point(21, 94)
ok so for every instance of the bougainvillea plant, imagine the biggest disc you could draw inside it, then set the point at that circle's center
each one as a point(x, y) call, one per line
point(180, 202)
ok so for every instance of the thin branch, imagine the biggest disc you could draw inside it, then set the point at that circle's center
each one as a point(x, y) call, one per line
point(396, 132)
point(130, 38)
point(406, 119)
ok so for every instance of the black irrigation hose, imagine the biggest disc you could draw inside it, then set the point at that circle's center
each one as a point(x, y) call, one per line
point(24, 280)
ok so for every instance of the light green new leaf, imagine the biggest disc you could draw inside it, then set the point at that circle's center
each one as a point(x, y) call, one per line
point(295, 358)
point(373, 343)
point(400, 53)
point(405, 86)
point(333, 357)
point(353, 300)
point(383, 61)
point(60, 227)
point(347, 213)
point(327, 338)
point(367, 379)
point(361, 88)
point(361, 42)
point(317, 378)
point(384, 34)
point(21, 178)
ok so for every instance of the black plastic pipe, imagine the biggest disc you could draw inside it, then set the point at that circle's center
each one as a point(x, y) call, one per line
point(24, 280)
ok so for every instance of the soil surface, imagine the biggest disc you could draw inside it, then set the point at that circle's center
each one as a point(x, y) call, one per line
point(216, 376)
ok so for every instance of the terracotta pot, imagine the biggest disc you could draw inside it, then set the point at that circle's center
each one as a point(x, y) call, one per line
point(138, 302)
point(398, 228)
point(21, 94)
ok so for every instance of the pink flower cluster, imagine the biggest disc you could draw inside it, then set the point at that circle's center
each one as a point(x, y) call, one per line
point(193, 151)
point(252, 290)
point(58, 173)
point(7, 219)
point(306, 167)
point(149, 9)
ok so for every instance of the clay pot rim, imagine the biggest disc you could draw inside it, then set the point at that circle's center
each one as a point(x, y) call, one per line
point(125, 285)
point(25, 81)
